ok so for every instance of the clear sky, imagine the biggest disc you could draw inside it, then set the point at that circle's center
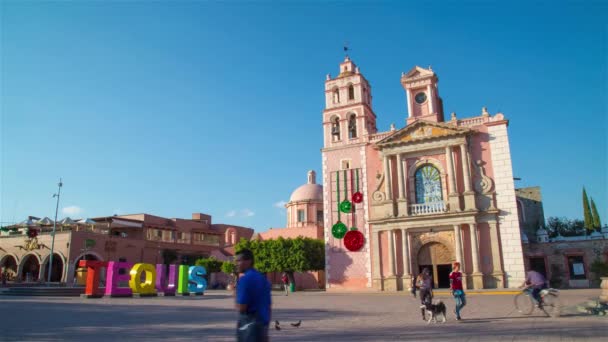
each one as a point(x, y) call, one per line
point(171, 108)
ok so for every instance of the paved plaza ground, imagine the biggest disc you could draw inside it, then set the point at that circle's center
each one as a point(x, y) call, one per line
point(325, 317)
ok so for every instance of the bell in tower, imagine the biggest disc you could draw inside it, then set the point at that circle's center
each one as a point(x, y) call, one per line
point(348, 113)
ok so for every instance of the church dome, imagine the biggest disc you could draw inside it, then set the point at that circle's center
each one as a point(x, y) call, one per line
point(310, 191)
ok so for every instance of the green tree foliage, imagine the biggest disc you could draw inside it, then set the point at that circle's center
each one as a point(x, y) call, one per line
point(597, 223)
point(565, 227)
point(211, 264)
point(587, 211)
point(229, 267)
point(599, 269)
point(286, 255)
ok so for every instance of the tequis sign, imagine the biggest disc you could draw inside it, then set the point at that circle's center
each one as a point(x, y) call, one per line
point(182, 279)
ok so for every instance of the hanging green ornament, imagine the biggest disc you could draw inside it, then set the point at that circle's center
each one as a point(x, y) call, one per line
point(345, 206)
point(338, 230)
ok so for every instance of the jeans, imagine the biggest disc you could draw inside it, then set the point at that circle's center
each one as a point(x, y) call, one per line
point(251, 329)
point(461, 301)
point(286, 288)
point(536, 292)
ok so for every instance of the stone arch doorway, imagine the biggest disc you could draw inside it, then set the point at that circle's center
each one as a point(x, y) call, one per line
point(8, 263)
point(30, 268)
point(77, 269)
point(438, 259)
point(56, 270)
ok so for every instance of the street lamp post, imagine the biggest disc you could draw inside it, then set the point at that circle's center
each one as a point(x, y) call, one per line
point(50, 266)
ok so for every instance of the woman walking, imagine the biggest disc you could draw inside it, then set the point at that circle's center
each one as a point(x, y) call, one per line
point(285, 280)
point(456, 287)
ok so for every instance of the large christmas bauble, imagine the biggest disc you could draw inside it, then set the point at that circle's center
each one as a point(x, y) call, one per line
point(354, 240)
point(338, 230)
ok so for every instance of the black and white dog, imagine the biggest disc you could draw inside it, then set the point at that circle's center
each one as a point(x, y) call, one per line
point(433, 311)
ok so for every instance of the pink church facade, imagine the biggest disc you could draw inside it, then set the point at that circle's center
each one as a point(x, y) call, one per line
point(434, 192)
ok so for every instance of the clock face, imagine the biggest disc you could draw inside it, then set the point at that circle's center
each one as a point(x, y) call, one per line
point(420, 97)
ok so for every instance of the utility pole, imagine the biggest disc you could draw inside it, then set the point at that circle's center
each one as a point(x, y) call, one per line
point(50, 266)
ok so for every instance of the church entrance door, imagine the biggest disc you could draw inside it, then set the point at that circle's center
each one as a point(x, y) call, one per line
point(437, 258)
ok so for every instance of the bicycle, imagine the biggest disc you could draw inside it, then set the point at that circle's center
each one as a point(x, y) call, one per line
point(549, 302)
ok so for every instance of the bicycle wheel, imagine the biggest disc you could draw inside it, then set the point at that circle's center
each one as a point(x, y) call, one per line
point(523, 303)
point(552, 305)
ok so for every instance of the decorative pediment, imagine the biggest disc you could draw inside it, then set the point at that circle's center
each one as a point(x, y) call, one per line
point(418, 72)
point(423, 130)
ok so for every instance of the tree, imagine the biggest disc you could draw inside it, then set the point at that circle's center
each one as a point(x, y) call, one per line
point(565, 227)
point(587, 212)
point(286, 255)
point(597, 223)
point(211, 264)
point(229, 268)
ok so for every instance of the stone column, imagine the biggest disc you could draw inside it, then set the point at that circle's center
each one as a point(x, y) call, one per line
point(458, 245)
point(408, 93)
point(469, 194)
point(377, 266)
point(391, 253)
point(390, 282)
point(497, 272)
point(453, 199)
point(387, 178)
point(451, 176)
point(465, 167)
point(402, 209)
point(429, 90)
point(406, 277)
point(477, 275)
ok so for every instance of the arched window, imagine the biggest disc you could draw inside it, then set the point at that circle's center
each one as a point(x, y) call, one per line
point(428, 184)
point(336, 95)
point(352, 126)
point(335, 128)
point(351, 92)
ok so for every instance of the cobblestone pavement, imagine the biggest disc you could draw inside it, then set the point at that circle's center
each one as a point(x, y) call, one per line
point(325, 317)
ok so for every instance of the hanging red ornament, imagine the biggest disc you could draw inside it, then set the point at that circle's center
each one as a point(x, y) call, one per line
point(338, 230)
point(354, 240)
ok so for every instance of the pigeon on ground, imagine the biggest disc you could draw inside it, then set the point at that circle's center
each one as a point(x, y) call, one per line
point(296, 324)
point(276, 325)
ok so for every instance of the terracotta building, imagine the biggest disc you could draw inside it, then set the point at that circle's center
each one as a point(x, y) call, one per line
point(130, 238)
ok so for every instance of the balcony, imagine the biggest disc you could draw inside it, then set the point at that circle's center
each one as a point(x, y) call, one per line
point(428, 208)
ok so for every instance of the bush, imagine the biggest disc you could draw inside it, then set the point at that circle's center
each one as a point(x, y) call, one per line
point(229, 267)
point(211, 264)
point(599, 269)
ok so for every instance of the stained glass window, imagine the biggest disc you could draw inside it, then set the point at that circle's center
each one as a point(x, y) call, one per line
point(428, 185)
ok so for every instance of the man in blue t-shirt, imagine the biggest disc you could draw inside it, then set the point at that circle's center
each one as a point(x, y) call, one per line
point(252, 300)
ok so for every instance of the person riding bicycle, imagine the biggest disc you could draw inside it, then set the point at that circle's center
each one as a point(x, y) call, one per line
point(537, 282)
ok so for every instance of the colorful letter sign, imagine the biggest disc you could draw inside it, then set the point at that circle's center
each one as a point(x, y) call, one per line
point(191, 279)
point(147, 287)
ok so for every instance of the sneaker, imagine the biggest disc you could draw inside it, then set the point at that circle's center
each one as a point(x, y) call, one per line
point(458, 318)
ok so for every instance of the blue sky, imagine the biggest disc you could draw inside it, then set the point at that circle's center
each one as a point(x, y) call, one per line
point(171, 108)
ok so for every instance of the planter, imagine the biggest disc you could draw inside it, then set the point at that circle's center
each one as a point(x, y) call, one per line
point(604, 289)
